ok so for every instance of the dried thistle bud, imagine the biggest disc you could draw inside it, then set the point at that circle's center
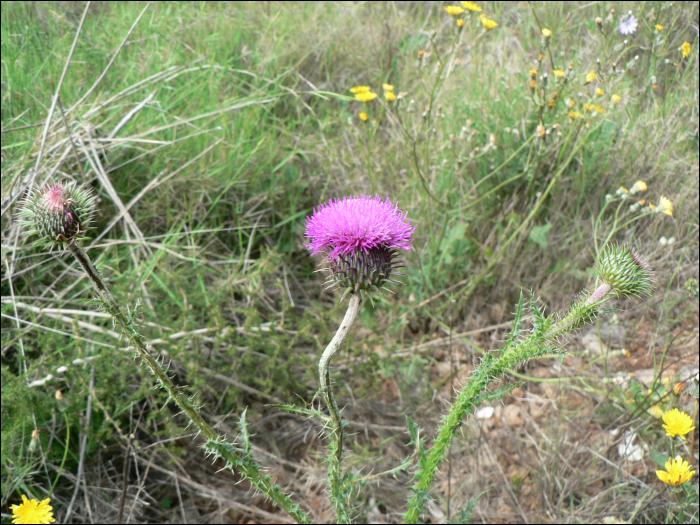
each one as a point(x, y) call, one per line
point(623, 270)
point(58, 212)
point(34, 443)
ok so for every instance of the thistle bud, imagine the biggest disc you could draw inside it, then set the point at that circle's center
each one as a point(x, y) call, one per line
point(57, 212)
point(621, 270)
point(678, 389)
point(34, 443)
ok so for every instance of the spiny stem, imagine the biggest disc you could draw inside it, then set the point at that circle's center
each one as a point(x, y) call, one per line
point(335, 468)
point(244, 463)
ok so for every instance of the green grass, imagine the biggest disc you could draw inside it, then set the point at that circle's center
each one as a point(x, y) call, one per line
point(224, 229)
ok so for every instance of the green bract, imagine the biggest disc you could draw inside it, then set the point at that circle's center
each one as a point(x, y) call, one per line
point(363, 271)
point(57, 212)
point(624, 271)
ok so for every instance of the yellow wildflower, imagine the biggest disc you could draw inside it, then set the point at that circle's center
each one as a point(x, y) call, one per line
point(389, 96)
point(559, 73)
point(590, 77)
point(454, 10)
point(31, 511)
point(615, 99)
point(638, 187)
point(659, 27)
point(623, 191)
point(387, 87)
point(533, 84)
point(686, 48)
point(599, 109)
point(599, 91)
point(365, 96)
point(574, 115)
point(677, 423)
point(652, 207)
point(533, 73)
point(665, 206)
point(360, 89)
point(460, 23)
point(488, 23)
point(471, 6)
point(364, 117)
point(677, 472)
point(588, 107)
point(656, 411)
point(547, 33)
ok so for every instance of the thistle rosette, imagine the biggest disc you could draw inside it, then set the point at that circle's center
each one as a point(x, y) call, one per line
point(361, 237)
point(624, 272)
point(58, 212)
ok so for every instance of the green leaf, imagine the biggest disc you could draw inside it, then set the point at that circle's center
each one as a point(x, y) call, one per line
point(538, 235)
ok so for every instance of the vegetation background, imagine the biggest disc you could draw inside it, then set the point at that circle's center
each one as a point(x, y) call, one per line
point(216, 130)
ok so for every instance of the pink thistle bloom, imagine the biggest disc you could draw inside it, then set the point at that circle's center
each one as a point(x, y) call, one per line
point(360, 236)
point(358, 223)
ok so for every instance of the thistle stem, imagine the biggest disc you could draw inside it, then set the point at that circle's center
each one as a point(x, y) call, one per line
point(335, 468)
point(598, 294)
point(244, 463)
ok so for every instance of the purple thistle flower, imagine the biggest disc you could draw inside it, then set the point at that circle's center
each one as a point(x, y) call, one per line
point(629, 26)
point(361, 236)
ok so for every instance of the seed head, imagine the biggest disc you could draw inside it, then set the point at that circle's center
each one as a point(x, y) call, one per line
point(625, 272)
point(57, 212)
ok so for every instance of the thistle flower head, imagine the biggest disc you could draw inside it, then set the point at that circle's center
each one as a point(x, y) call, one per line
point(625, 272)
point(57, 212)
point(361, 236)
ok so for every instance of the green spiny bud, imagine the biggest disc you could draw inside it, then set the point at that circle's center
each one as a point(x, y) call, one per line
point(57, 212)
point(624, 272)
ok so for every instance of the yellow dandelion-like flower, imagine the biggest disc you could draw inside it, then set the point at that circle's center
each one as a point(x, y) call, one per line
point(360, 89)
point(387, 87)
point(365, 96)
point(364, 117)
point(656, 411)
point(31, 511)
point(599, 91)
point(454, 10)
point(599, 109)
point(575, 114)
point(588, 107)
point(471, 6)
point(558, 73)
point(677, 423)
point(488, 23)
point(389, 96)
point(659, 27)
point(547, 33)
point(665, 206)
point(677, 472)
point(615, 99)
point(686, 48)
point(533, 73)
point(638, 187)
point(590, 77)
point(460, 23)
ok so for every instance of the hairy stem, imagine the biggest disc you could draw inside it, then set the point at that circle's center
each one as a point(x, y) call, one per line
point(244, 463)
point(335, 468)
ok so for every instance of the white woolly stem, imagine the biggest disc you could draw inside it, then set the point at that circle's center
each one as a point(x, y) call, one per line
point(598, 294)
